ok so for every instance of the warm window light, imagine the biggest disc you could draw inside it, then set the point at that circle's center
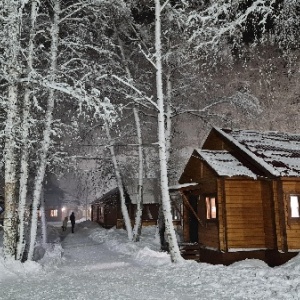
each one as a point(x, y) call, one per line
point(53, 212)
point(211, 208)
point(294, 204)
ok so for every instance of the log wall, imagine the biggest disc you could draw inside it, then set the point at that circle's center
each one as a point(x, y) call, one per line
point(291, 187)
point(245, 214)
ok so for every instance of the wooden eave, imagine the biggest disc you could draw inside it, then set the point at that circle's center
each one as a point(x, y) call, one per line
point(289, 178)
point(196, 155)
point(214, 172)
point(190, 187)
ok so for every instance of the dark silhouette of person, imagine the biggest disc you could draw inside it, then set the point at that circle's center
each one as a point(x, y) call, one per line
point(72, 219)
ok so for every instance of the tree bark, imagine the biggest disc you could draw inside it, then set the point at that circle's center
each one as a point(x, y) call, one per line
point(47, 130)
point(119, 183)
point(139, 201)
point(166, 203)
point(24, 136)
point(10, 160)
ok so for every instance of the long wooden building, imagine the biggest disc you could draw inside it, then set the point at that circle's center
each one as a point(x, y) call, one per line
point(244, 197)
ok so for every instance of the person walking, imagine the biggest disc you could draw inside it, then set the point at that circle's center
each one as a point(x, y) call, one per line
point(65, 223)
point(72, 219)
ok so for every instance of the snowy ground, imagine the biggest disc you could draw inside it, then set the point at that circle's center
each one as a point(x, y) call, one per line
point(94, 263)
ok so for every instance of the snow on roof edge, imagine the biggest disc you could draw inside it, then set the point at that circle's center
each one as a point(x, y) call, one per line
point(179, 186)
point(244, 171)
point(252, 155)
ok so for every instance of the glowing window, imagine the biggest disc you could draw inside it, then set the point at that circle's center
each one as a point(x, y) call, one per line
point(53, 213)
point(101, 212)
point(294, 206)
point(211, 208)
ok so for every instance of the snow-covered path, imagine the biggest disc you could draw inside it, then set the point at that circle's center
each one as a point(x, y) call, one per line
point(89, 270)
point(102, 264)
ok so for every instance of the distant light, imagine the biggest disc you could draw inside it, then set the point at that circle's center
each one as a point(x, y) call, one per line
point(63, 209)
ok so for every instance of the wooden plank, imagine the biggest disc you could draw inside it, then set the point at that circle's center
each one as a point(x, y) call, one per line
point(234, 236)
point(245, 214)
point(245, 225)
point(232, 199)
point(237, 232)
point(251, 218)
point(246, 245)
point(243, 205)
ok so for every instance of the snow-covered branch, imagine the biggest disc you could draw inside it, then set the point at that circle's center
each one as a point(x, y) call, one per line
point(222, 19)
point(149, 99)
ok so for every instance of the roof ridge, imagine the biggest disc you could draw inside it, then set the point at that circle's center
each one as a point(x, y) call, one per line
point(261, 161)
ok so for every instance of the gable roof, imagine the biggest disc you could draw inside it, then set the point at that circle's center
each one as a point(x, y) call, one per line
point(111, 197)
point(224, 163)
point(278, 153)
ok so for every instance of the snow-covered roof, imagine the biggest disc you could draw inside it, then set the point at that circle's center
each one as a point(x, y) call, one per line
point(224, 163)
point(109, 197)
point(150, 190)
point(279, 153)
point(179, 186)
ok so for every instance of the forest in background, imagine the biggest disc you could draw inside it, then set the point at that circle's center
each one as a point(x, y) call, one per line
point(79, 82)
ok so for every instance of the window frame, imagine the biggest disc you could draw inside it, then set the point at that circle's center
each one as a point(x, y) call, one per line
point(208, 217)
point(290, 208)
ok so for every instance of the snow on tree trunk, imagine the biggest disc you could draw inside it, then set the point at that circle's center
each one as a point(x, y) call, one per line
point(24, 136)
point(10, 224)
point(166, 203)
point(119, 182)
point(47, 130)
point(168, 116)
point(13, 49)
point(139, 201)
point(43, 221)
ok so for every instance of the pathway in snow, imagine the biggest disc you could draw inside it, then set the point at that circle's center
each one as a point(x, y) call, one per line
point(88, 270)
point(91, 269)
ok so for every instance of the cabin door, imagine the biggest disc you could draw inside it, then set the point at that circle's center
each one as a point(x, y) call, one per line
point(193, 222)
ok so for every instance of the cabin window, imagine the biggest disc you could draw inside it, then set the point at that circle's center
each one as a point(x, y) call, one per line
point(101, 210)
point(294, 206)
point(53, 212)
point(211, 207)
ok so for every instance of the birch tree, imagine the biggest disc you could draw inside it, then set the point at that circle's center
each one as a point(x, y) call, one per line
point(24, 165)
point(12, 25)
point(139, 201)
point(47, 130)
point(166, 202)
point(119, 181)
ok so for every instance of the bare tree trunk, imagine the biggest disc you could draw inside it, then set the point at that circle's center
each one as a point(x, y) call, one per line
point(168, 116)
point(166, 203)
point(24, 136)
point(139, 201)
point(43, 221)
point(119, 183)
point(13, 50)
point(47, 130)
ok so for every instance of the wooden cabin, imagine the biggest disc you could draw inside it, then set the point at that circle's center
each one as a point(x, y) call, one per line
point(151, 193)
point(107, 209)
point(53, 199)
point(241, 197)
